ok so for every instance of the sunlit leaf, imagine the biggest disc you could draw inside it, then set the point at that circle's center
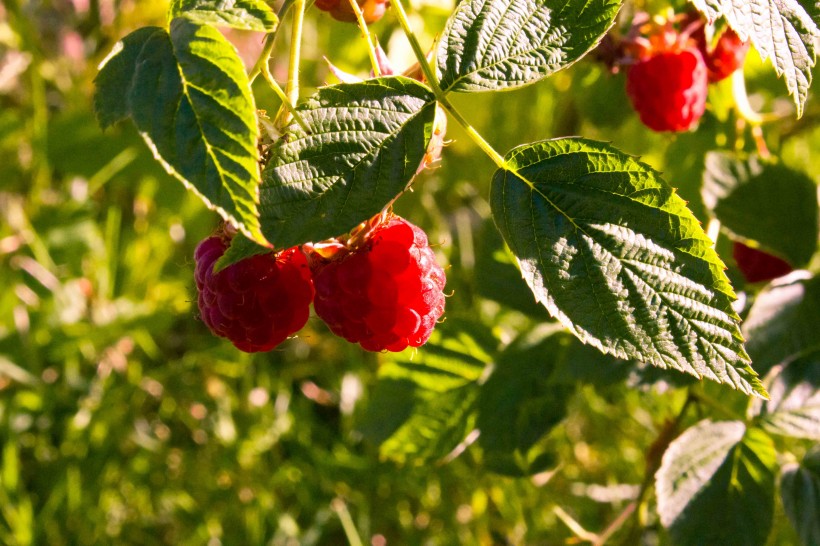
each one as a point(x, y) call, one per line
point(365, 144)
point(241, 14)
point(780, 29)
point(614, 254)
point(500, 44)
point(716, 485)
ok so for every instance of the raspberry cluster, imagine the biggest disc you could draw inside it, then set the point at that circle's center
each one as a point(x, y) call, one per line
point(383, 290)
point(667, 82)
point(341, 10)
point(387, 294)
point(255, 303)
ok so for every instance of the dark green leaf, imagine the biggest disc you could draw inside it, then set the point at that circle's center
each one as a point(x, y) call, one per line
point(189, 96)
point(614, 254)
point(499, 44)
point(794, 405)
point(242, 14)
point(366, 141)
point(519, 403)
point(423, 405)
point(782, 323)
point(780, 29)
point(769, 203)
point(716, 485)
point(800, 491)
point(113, 83)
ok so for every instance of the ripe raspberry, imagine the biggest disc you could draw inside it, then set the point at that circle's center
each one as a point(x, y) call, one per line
point(727, 55)
point(385, 294)
point(668, 88)
point(255, 303)
point(372, 10)
point(758, 266)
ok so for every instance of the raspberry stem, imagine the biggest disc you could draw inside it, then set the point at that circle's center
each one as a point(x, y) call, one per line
point(283, 97)
point(371, 52)
point(292, 88)
point(441, 96)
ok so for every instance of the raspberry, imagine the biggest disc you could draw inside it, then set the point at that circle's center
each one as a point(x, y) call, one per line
point(372, 10)
point(668, 89)
point(727, 55)
point(255, 303)
point(758, 266)
point(385, 294)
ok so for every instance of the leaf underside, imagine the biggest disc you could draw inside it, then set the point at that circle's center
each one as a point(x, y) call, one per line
point(780, 29)
point(614, 254)
point(500, 44)
point(794, 405)
point(365, 145)
point(189, 96)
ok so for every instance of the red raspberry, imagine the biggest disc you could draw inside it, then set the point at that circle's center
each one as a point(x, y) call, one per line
point(758, 266)
point(372, 10)
point(668, 88)
point(727, 55)
point(255, 303)
point(385, 294)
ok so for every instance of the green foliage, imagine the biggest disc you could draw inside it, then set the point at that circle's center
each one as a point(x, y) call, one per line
point(609, 249)
point(365, 144)
point(189, 97)
point(768, 203)
point(124, 421)
point(794, 405)
point(492, 45)
point(800, 490)
point(716, 485)
point(782, 323)
point(240, 14)
point(780, 30)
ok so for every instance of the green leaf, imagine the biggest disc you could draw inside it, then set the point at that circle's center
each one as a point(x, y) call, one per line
point(113, 82)
point(519, 403)
point(716, 485)
point(782, 323)
point(242, 14)
point(769, 203)
point(614, 254)
point(500, 44)
point(800, 491)
point(189, 96)
point(365, 144)
point(780, 29)
point(793, 408)
point(239, 249)
point(424, 404)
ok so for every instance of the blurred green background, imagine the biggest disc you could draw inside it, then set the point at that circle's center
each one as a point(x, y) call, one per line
point(124, 421)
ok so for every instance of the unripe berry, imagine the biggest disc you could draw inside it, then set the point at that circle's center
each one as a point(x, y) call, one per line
point(386, 293)
point(255, 303)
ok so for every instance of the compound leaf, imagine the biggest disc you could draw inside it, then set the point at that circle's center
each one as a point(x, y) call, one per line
point(769, 203)
point(614, 254)
point(366, 142)
point(780, 29)
point(241, 14)
point(716, 485)
point(189, 96)
point(499, 44)
point(800, 491)
point(794, 405)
